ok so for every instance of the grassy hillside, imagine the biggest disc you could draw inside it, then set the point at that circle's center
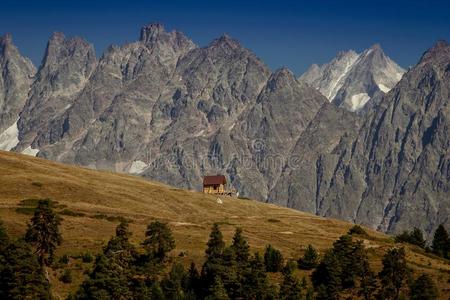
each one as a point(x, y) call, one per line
point(93, 201)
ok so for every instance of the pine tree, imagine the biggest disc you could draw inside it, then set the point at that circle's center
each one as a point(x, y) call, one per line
point(217, 291)
point(159, 240)
point(416, 237)
point(273, 259)
point(213, 266)
point(255, 282)
point(21, 275)
point(424, 288)
point(43, 232)
point(326, 277)
point(309, 260)
point(193, 281)
point(111, 277)
point(291, 288)
point(173, 284)
point(441, 242)
point(240, 248)
point(4, 238)
point(121, 241)
point(344, 249)
point(368, 281)
point(215, 245)
point(394, 273)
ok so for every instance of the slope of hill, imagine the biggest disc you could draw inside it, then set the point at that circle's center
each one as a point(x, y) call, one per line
point(98, 197)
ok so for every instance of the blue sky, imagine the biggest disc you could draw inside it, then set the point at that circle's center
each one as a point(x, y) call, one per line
point(282, 33)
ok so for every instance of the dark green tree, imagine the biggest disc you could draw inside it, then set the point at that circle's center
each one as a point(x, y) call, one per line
point(4, 238)
point(273, 259)
point(415, 237)
point(213, 266)
point(309, 260)
point(173, 284)
point(218, 291)
point(43, 232)
point(240, 248)
point(394, 273)
point(344, 249)
point(424, 288)
point(193, 281)
point(21, 275)
point(215, 245)
point(255, 283)
point(368, 281)
point(326, 277)
point(356, 229)
point(441, 242)
point(159, 240)
point(111, 277)
point(291, 288)
point(121, 241)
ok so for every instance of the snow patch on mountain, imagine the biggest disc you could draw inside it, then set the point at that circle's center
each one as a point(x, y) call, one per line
point(30, 151)
point(137, 167)
point(358, 101)
point(9, 138)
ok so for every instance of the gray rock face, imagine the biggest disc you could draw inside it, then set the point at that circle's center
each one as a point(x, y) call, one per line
point(63, 74)
point(15, 79)
point(165, 109)
point(390, 174)
point(351, 80)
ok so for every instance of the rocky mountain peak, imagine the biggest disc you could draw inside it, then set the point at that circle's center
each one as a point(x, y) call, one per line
point(150, 33)
point(281, 78)
point(440, 50)
point(226, 41)
point(6, 40)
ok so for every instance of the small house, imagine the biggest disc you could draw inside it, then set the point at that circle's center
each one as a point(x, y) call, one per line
point(215, 185)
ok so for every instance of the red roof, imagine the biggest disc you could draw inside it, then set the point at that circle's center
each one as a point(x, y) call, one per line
point(213, 180)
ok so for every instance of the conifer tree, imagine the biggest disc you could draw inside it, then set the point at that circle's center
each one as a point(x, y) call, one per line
point(255, 282)
point(441, 242)
point(173, 284)
point(344, 249)
point(424, 288)
point(291, 288)
point(394, 273)
point(368, 281)
point(326, 277)
point(273, 259)
point(111, 277)
point(416, 238)
point(217, 291)
point(159, 240)
point(4, 238)
point(309, 260)
point(215, 245)
point(193, 281)
point(240, 248)
point(213, 266)
point(21, 275)
point(43, 232)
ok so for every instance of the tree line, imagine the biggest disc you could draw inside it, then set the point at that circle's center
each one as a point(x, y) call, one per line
point(147, 271)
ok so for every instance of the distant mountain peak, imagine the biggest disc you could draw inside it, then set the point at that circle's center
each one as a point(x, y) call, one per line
point(6, 39)
point(352, 79)
point(440, 49)
point(151, 32)
point(226, 40)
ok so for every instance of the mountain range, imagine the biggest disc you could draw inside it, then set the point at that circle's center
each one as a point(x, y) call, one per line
point(355, 139)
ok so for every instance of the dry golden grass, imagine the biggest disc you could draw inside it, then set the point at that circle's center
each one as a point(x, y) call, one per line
point(189, 214)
